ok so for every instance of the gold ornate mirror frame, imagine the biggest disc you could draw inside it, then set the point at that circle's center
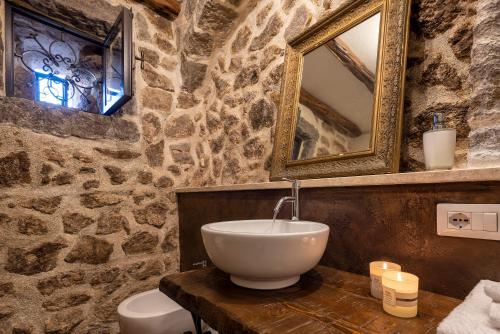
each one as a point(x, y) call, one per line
point(383, 155)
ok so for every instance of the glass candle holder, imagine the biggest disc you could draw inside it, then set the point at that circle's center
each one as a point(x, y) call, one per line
point(400, 292)
point(377, 268)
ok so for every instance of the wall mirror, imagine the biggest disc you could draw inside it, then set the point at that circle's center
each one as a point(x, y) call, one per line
point(342, 94)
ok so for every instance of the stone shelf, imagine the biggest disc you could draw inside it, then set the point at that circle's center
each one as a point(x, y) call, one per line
point(448, 176)
point(325, 300)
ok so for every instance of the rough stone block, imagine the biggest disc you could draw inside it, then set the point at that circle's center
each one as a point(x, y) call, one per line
point(47, 205)
point(90, 250)
point(272, 28)
point(154, 154)
point(140, 242)
point(118, 154)
point(181, 153)
point(62, 122)
point(14, 169)
point(31, 225)
point(99, 199)
point(179, 127)
point(112, 222)
point(41, 258)
point(75, 222)
point(116, 175)
point(153, 214)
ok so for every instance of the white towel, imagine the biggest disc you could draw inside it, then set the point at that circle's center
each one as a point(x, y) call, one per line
point(493, 291)
point(472, 316)
point(495, 314)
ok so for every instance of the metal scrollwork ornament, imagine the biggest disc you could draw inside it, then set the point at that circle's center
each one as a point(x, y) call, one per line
point(58, 63)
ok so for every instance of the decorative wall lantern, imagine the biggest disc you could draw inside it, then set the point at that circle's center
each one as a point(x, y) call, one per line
point(49, 62)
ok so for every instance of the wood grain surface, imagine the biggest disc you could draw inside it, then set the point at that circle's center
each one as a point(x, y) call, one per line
point(328, 114)
point(325, 300)
point(172, 7)
point(350, 60)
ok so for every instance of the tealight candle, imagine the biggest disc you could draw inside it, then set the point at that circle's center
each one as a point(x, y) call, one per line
point(400, 292)
point(377, 268)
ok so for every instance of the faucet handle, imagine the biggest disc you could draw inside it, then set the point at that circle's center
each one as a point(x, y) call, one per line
point(295, 197)
point(296, 183)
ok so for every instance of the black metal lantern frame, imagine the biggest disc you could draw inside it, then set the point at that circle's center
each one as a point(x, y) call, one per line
point(78, 78)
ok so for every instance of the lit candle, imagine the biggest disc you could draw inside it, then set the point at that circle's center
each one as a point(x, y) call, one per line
point(377, 268)
point(400, 293)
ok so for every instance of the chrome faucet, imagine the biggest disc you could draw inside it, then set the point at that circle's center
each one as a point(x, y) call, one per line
point(294, 199)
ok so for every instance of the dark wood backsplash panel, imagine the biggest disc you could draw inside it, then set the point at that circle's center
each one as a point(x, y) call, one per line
point(396, 223)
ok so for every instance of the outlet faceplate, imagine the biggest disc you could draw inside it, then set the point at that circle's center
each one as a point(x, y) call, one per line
point(478, 221)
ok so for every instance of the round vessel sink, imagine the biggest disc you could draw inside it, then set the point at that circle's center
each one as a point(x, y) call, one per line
point(259, 255)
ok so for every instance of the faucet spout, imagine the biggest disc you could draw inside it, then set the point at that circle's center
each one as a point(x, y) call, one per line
point(280, 203)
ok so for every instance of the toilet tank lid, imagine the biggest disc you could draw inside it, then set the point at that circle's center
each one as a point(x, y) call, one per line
point(148, 304)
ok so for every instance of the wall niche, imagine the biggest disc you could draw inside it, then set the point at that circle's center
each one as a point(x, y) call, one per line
point(50, 62)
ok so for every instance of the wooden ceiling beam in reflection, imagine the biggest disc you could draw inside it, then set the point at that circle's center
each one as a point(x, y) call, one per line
point(328, 114)
point(349, 59)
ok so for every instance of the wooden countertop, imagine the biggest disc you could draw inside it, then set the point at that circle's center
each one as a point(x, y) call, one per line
point(325, 300)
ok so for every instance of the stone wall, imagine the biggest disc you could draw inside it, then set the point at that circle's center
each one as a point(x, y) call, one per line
point(237, 92)
point(438, 77)
point(87, 209)
point(318, 137)
point(484, 116)
point(87, 212)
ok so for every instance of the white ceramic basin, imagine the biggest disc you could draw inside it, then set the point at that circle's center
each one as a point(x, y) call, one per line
point(258, 255)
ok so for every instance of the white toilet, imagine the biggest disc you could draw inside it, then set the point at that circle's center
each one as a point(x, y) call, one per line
point(152, 312)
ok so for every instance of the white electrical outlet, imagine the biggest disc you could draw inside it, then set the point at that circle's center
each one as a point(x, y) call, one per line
point(459, 220)
point(479, 221)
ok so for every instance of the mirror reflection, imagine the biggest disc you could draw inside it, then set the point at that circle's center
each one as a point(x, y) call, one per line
point(337, 94)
